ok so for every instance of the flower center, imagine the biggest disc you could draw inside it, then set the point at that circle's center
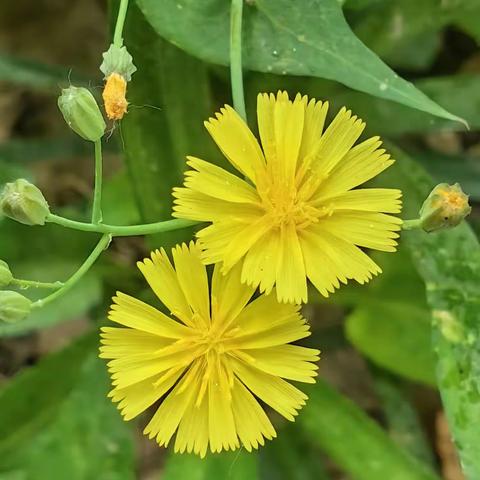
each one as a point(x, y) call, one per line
point(286, 206)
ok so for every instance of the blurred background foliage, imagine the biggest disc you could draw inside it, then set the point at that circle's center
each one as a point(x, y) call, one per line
point(391, 349)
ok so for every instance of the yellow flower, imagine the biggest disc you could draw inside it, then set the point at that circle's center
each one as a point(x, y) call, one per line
point(295, 216)
point(210, 364)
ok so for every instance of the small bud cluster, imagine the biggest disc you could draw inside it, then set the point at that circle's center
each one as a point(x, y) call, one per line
point(13, 305)
point(24, 202)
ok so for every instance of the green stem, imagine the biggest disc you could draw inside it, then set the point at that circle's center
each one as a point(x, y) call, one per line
point(122, 13)
point(100, 247)
point(412, 224)
point(34, 284)
point(236, 75)
point(97, 196)
point(121, 230)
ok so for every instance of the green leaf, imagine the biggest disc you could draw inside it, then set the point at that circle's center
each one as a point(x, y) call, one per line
point(390, 320)
point(85, 437)
point(354, 441)
point(449, 263)
point(237, 465)
point(284, 37)
point(30, 401)
point(36, 75)
point(170, 99)
point(459, 93)
point(395, 336)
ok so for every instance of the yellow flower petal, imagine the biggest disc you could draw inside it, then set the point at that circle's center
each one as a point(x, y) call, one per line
point(385, 200)
point(315, 115)
point(192, 277)
point(291, 279)
point(287, 361)
point(161, 277)
point(218, 183)
point(365, 229)
point(330, 259)
point(237, 142)
point(363, 162)
point(250, 419)
point(229, 296)
point(279, 394)
point(130, 312)
point(198, 206)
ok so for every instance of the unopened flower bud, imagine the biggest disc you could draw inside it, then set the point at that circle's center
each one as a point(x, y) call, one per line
point(24, 202)
point(6, 276)
point(80, 110)
point(13, 306)
point(118, 60)
point(445, 207)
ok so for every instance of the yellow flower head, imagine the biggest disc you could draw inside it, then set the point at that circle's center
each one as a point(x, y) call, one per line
point(209, 365)
point(295, 216)
point(114, 95)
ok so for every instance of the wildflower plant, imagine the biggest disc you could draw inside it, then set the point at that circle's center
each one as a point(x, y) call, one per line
point(224, 349)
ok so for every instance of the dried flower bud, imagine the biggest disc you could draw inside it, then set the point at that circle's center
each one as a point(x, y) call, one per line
point(6, 276)
point(24, 202)
point(445, 207)
point(13, 306)
point(118, 60)
point(80, 110)
point(114, 95)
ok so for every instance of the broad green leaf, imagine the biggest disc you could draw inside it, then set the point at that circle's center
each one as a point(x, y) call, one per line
point(280, 36)
point(170, 99)
point(36, 75)
point(459, 93)
point(85, 437)
point(354, 441)
point(237, 465)
point(395, 336)
point(30, 401)
point(389, 321)
point(449, 263)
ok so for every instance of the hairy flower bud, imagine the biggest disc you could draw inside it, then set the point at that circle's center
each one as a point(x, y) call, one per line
point(80, 110)
point(24, 202)
point(6, 276)
point(445, 207)
point(13, 306)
